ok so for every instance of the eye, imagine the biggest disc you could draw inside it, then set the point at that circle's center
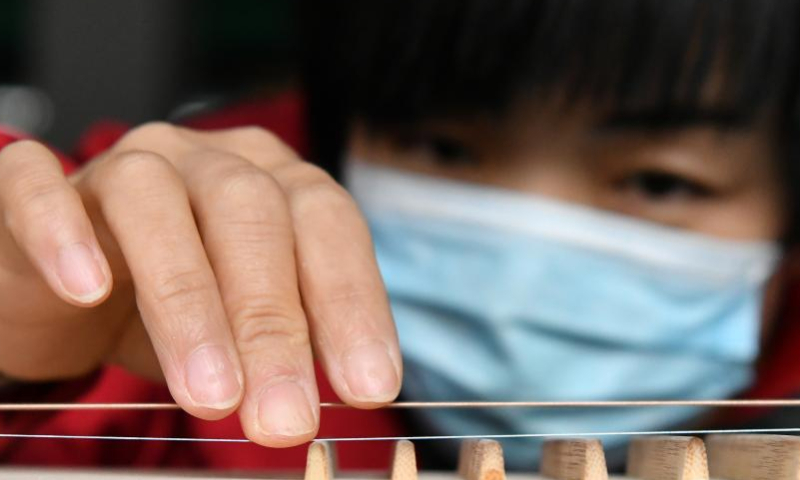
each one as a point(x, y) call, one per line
point(450, 151)
point(662, 186)
point(441, 149)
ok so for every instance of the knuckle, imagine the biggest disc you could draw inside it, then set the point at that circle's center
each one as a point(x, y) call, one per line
point(245, 184)
point(311, 196)
point(36, 199)
point(149, 131)
point(138, 162)
point(260, 146)
point(311, 188)
point(40, 208)
point(349, 294)
point(23, 151)
point(254, 200)
point(257, 136)
point(348, 301)
point(181, 286)
point(36, 190)
point(134, 166)
point(258, 323)
point(300, 174)
point(27, 158)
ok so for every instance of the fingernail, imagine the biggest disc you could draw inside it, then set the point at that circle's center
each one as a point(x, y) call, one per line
point(370, 373)
point(211, 379)
point(284, 410)
point(80, 274)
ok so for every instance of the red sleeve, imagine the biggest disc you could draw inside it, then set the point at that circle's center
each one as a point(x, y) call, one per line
point(9, 135)
point(114, 385)
point(284, 116)
point(778, 369)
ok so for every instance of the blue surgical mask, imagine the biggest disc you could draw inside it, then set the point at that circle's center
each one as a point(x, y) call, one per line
point(501, 295)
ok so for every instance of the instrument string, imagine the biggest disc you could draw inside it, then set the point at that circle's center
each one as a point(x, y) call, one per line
point(728, 403)
point(411, 438)
point(31, 407)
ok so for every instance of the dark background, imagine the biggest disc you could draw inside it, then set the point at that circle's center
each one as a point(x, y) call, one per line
point(66, 64)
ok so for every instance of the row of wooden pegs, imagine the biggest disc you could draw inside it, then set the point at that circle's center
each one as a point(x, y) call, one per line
point(723, 457)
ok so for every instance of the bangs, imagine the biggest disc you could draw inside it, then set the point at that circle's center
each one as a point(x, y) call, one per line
point(392, 62)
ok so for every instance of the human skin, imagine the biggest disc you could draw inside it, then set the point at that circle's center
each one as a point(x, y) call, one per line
point(227, 242)
point(693, 174)
point(231, 259)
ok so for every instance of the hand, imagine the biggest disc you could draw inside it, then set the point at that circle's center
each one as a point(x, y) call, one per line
point(232, 259)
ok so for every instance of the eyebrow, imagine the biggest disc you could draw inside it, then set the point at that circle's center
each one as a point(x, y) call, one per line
point(674, 119)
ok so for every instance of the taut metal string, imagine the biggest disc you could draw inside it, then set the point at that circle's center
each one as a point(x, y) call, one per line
point(20, 407)
point(413, 438)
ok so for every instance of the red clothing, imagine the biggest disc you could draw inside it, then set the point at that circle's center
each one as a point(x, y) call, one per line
point(779, 374)
point(282, 116)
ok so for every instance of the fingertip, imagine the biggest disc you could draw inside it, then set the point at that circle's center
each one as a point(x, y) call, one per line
point(209, 384)
point(205, 412)
point(282, 415)
point(213, 382)
point(279, 441)
point(372, 375)
point(276, 440)
point(209, 414)
point(284, 410)
point(82, 274)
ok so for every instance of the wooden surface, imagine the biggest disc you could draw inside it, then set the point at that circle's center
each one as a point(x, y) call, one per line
point(667, 458)
point(482, 460)
point(320, 462)
point(730, 457)
point(754, 457)
point(573, 459)
point(404, 462)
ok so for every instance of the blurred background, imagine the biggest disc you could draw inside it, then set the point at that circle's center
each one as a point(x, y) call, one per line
point(68, 64)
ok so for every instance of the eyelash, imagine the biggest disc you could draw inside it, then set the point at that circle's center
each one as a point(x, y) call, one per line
point(443, 150)
point(658, 185)
point(653, 184)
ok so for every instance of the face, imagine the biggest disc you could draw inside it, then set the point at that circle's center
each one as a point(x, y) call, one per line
point(695, 173)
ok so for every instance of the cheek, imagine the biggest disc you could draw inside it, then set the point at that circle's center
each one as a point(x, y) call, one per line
point(743, 216)
point(755, 207)
point(751, 206)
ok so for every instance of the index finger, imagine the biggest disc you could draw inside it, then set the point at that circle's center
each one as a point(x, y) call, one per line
point(147, 209)
point(350, 322)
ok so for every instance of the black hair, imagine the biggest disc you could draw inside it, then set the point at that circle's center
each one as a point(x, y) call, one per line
point(392, 62)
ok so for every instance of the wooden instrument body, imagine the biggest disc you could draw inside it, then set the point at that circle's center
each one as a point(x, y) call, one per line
point(720, 457)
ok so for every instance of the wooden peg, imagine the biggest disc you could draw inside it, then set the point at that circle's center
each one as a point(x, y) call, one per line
point(754, 457)
point(667, 458)
point(465, 457)
point(481, 460)
point(404, 462)
point(320, 461)
point(574, 459)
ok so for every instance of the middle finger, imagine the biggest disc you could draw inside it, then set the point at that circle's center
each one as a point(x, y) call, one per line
point(246, 227)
